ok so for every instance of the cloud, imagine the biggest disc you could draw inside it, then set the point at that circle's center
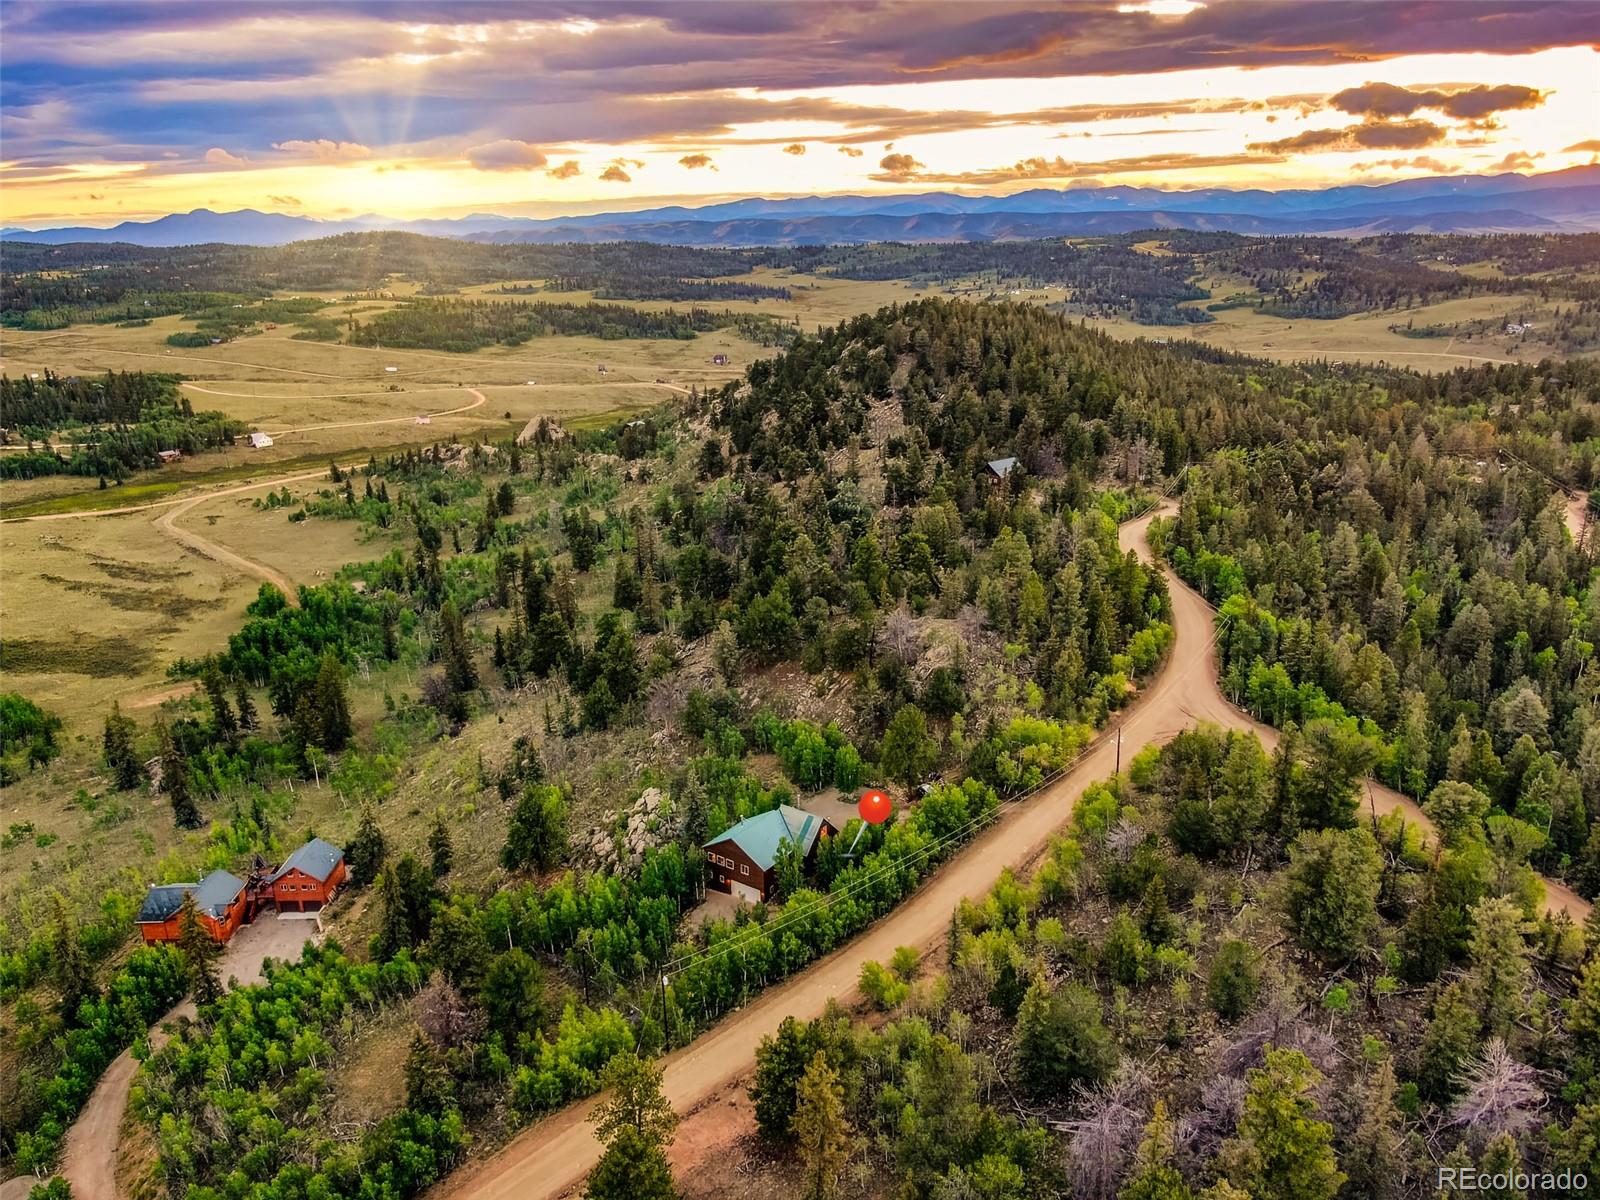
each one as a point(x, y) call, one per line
point(218, 157)
point(1060, 168)
point(897, 168)
point(794, 148)
point(1517, 160)
point(286, 201)
point(1420, 163)
point(851, 151)
point(1384, 100)
point(566, 170)
point(694, 162)
point(507, 154)
point(1591, 146)
point(1382, 135)
point(324, 150)
point(615, 174)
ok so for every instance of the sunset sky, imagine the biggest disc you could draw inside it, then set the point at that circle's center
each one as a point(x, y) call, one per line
point(117, 111)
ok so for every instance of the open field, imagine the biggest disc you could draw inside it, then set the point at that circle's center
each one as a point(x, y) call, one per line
point(1364, 337)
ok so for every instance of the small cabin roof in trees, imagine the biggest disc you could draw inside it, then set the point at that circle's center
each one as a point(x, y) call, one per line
point(316, 858)
point(761, 836)
point(212, 896)
point(1001, 467)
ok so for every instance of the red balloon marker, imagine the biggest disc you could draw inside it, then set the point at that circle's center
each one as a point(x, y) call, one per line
point(874, 807)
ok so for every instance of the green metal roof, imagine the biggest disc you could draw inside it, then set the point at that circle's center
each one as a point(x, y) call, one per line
point(760, 836)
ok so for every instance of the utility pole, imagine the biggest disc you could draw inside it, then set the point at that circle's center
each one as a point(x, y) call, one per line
point(666, 1019)
point(1119, 748)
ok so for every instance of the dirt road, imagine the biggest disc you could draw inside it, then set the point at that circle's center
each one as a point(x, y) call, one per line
point(553, 1156)
point(167, 522)
point(89, 1153)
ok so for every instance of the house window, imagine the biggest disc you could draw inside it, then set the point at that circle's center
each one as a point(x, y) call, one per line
point(743, 870)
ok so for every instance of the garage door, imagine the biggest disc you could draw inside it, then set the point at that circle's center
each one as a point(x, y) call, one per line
point(745, 892)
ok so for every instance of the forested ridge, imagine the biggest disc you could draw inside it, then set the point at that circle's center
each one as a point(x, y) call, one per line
point(832, 518)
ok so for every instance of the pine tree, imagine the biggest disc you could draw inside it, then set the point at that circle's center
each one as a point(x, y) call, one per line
point(175, 779)
point(1153, 1176)
point(222, 718)
point(367, 850)
point(631, 1169)
point(440, 849)
point(1281, 1151)
point(200, 951)
point(394, 932)
point(537, 836)
point(332, 706)
point(246, 708)
point(1500, 973)
point(74, 977)
point(823, 1137)
point(634, 1101)
point(120, 754)
point(459, 672)
point(1374, 1157)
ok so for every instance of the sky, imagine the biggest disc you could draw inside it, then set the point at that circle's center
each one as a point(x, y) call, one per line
point(111, 112)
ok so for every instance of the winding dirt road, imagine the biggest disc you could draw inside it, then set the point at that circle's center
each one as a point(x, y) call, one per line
point(554, 1156)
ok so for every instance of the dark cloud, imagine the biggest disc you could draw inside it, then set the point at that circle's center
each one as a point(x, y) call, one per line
point(1384, 100)
point(285, 201)
point(615, 174)
point(1419, 163)
point(1590, 146)
point(694, 162)
point(1382, 135)
point(851, 151)
point(566, 170)
point(507, 154)
point(794, 148)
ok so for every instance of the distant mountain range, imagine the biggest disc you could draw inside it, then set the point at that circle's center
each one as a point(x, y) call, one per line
point(1555, 202)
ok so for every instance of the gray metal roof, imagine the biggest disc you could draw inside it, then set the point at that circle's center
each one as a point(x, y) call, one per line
point(212, 895)
point(316, 858)
point(1002, 466)
point(760, 836)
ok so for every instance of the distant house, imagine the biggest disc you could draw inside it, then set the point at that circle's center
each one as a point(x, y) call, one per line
point(742, 859)
point(1000, 468)
point(719, 360)
point(220, 901)
point(424, 419)
point(390, 370)
point(259, 441)
point(169, 456)
point(308, 878)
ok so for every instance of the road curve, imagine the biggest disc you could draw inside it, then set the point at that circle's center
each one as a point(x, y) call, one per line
point(167, 522)
point(552, 1157)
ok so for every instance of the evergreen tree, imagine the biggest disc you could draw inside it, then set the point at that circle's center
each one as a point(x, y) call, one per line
point(1153, 1176)
point(430, 1088)
point(1281, 1151)
point(332, 707)
point(460, 675)
point(781, 1060)
point(394, 931)
point(632, 1168)
point(440, 850)
point(175, 779)
point(73, 974)
point(908, 752)
point(537, 836)
point(1374, 1157)
point(249, 721)
point(633, 1101)
point(822, 1135)
point(1332, 891)
point(367, 850)
point(1235, 979)
point(1500, 974)
point(1060, 1039)
point(222, 718)
point(120, 754)
point(200, 952)
point(513, 994)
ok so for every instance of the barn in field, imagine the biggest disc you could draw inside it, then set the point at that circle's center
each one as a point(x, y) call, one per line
point(221, 901)
point(308, 878)
point(743, 858)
